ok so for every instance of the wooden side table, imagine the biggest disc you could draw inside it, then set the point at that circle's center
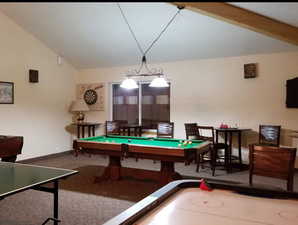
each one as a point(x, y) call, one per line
point(137, 129)
point(81, 131)
point(90, 127)
point(230, 132)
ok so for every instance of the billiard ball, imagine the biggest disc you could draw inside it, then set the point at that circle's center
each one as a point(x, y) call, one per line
point(129, 140)
point(179, 145)
point(190, 142)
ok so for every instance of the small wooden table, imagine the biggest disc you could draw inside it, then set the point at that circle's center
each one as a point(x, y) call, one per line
point(137, 129)
point(81, 128)
point(229, 132)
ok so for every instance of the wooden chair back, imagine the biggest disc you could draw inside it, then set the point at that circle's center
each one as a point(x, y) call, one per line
point(270, 161)
point(269, 135)
point(206, 133)
point(165, 129)
point(191, 130)
point(112, 127)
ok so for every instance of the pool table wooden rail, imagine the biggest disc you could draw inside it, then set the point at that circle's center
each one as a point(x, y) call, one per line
point(143, 207)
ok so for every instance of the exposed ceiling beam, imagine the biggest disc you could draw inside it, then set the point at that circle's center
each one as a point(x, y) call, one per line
point(245, 18)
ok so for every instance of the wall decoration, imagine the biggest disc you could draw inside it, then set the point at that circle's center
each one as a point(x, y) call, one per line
point(6, 92)
point(33, 76)
point(93, 95)
point(250, 70)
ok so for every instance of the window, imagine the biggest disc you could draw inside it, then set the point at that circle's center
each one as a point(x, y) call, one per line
point(125, 104)
point(150, 104)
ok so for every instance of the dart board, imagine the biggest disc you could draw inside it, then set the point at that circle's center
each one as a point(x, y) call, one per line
point(90, 96)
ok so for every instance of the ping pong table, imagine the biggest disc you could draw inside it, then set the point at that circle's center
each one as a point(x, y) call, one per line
point(16, 177)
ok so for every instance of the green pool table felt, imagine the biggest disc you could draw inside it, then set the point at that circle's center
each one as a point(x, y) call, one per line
point(148, 141)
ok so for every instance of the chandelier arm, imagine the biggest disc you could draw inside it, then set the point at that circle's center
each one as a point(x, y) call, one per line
point(131, 31)
point(163, 30)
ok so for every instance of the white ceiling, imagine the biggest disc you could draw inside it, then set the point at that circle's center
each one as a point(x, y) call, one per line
point(91, 35)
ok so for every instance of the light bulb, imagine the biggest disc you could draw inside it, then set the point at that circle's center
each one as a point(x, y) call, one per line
point(129, 83)
point(159, 82)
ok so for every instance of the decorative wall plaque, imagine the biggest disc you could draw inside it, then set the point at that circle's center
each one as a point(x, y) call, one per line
point(250, 70)
point(93, 95)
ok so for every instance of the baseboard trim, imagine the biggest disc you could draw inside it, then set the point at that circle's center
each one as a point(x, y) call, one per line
point(50, 156)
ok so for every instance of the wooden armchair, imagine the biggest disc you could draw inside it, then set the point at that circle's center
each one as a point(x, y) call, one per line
point(269, 135)
point(269, 161)
point(112, 127)
point(165, 130)
point(121, 123)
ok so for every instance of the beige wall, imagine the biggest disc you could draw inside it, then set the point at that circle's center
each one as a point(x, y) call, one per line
point(213, 91)
point(40, 112)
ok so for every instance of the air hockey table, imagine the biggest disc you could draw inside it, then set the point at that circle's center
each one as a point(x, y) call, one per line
point(184, 203)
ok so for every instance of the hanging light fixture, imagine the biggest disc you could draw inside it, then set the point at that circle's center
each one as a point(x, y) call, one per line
point(159, 80)
point(129, 83)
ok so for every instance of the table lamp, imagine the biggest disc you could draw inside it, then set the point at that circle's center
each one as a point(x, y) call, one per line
point(79, 106)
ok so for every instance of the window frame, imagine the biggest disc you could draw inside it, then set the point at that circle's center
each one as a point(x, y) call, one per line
point(140, 100)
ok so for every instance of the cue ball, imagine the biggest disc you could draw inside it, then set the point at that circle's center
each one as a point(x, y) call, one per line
point(190, 142)
point(179, 145)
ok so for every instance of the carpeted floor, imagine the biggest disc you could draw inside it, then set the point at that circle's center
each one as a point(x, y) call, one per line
point(82, 202)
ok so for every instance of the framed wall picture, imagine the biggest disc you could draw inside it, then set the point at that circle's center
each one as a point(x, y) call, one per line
point(6, 92)
point(250, 70)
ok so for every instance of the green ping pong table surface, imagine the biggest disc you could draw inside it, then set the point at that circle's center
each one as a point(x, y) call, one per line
point(16, 177)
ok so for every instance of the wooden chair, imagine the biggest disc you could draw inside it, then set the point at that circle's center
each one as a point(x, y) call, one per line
point(269, 161)
point(269, 135)
point(206, 133)
point(112, 127)
point(191, 131)
point(165, 130)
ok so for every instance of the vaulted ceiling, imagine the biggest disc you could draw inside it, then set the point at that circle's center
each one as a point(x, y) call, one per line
point(91, 35)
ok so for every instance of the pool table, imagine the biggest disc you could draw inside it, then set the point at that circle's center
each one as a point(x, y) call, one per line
point(184, 203)
point(167, 150)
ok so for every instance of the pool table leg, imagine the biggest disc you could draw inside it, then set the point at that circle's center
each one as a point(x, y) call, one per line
point(167, 172)
point(112, 171)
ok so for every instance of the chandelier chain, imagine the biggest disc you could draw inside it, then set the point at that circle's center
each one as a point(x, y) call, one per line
point(164, 29)
point(131, 31)
point(156, 39)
